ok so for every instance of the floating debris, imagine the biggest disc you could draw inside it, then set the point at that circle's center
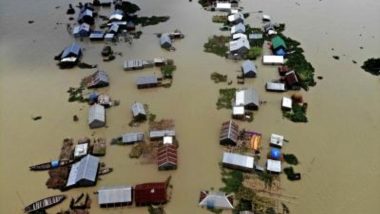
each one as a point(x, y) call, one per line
point(372, 66)
point(30, 22)
point(75, 118)
point(36, 117)
point(336, 57)
point(217, 77)
point(71, 10)
point(320, 77)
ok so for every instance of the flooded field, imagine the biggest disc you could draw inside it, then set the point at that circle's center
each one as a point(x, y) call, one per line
point(338, 148)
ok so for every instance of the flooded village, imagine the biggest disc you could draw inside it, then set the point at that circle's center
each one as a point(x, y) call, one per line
point(189, 107)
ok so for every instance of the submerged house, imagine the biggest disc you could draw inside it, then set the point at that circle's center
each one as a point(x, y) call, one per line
point(138, 112)
point(115, 196)
point(274, 166)
point(98, 79)
point(273, 60)
point(160, 134)
point(275, 86)
point(147, 82)
point(97, 36)
point(238, 161)
point(116, 16)
point(150, 194)
point(167, 157)
point(276, 140)
point(238, 112)
point(249, 69)
point(237, 36)
point(278, 46)
point(165, 41)
point(255, 37)
point(236, 18)
point(239, 47)
point(216, 200)
point(247, 98)
point(238, 28)
point(133, 64)
point(286, 104)
point(86, 16)
point(133, 137)
point(291, 81)
point(96, 116)
point(84, 172)
point(82, 30)
point(223, 6)
point(70, 56)
point(229, 133)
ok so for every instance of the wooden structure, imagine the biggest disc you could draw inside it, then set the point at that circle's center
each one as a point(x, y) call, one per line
point(44, 203)
point(229, 133)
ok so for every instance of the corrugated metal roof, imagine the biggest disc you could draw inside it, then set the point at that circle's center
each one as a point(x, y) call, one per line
point(240, 43)
point(274, 165)
point(255, 36)
point(114, 28)
point(133, 64)
point(247, 97)
point(111, 195)
point(137, 109)
point(216, 200)
point(238, 28)
point(84, 13)
point(229, 130)
point(235, 17)
point(101, 76)
point(277, 140)
point(286, 102)
point(248, 66)
point(86, 168)
point(144, 80)
point(96, 113)
point(167, 154)
point(161, 133)
point(132, 137)
point(73, 49)
point(272, 59)
point(278, 42)
point(274, 86)
point(238, 160)
point(165, 39)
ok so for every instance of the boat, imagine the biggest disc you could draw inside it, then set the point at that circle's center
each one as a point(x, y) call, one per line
point(51, 165)
point(44, 203)
point(104, 171)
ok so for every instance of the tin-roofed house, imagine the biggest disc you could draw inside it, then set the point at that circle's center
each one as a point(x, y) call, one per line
point(82, 30)
point(291, 81)
point(86, 16)
point(286, 104)
point(138, 112)
point(275, 86)
point(96, 116)
point(160, 134)
point(80, 150)
point(167, 157)
point(147, 82)
point(229, 133)
point(274, 166)
point(249, 69)
point(239, 47)
point(238, 112)
point(116, 16)
point(114, 29)
point(238, 161)
point(165, 41)
point(115, 196)
point(133, 137)
point(98, 79)
point(216, 200)
point(278, 46)
point(248, 98)
point(151, 194)
point(223, 6)
point(84, 172)
point(238, 28)
point(97, 35)
point(70, 56)
point(236, 18)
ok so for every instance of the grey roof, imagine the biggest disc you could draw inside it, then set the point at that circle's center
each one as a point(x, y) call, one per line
point(165, 39)
point(132, 137)
point(248, 66)
point(73, 49)
point(97, 35)
point(161, 133)
point(84, 27)
point(239, 160)
point(111, 195)
point(255, 36)
point(133, 64)
point(246, 97)
point(86, 168)
point(97, 113)
point(86, 12)
point(137, 109)
point(238, 44)
point(144, 80)
point(114, 28)
point(238, 28)
point(216, 200)
point(101, 76)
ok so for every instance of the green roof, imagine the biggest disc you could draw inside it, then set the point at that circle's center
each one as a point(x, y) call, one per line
point(278, 42)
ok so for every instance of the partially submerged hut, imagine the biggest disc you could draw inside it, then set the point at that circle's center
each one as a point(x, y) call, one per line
point(275, 86)
point(165, 41)
point(229, 133)
point(70, 56)
point(97, 116)
point(97, 36)
point(238, 161)
point(238, 112)
point(80, 150)
point(84, 172)
point(286, 104)
point(277, 140)
point(274, 166)
point(151, 193)
point(167, 157)
point(291, 81)
point(160, 134)
point(216, 200)
point(147, 82)
point(273, 60)
point(238, 28)
point(248, 98)
point(239, 47)
point(98, 79)
point(278, 46)
point(132, 137)
point(236, 18)
point(133, 64)
point(86, 16)
point(138, 111)
point(249, 69)
point(223, 6)
point(115, 196)
point(82, 30)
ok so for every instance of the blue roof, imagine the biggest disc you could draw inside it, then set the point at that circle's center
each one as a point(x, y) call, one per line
point(275, 154)
point(72, 49)
point(280, 52)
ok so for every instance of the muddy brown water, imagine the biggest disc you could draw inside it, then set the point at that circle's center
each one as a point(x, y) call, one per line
point(338, 148)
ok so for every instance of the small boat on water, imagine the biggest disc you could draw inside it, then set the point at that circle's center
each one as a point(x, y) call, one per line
point(51, 165)
point(104, 171)
point(44, 203)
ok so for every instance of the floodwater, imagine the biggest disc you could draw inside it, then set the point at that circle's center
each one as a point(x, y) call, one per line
point(338, 148)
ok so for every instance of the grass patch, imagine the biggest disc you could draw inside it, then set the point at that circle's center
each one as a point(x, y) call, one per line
point(372, 66)
point(291, 159)
point(152, 117)
point(217, 45)
point(167, 70)
point(232, 179)
point(225, 98)
point(266, 177)
point(136, 151)
point(217, 77)
point(254, 52)
point(298, 113)
point(219, 19)
point(76, 95)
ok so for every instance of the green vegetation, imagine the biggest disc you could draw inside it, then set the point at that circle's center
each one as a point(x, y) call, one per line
point(290, 174)
point(205, 3)
point(156, 210)
point(76, 94)
point(372, 66)
point(298, 113)
point(225, 98)
point(254, 52)
point(217, 77)
point(217, 45)
point(129, 8)
point(267, 178)
point(256, 42)
point(219, 19)
point(151, 117)
point(167, 70)
point(232, 179)
point(153, 20)
point(290, 159)
point(136, 151)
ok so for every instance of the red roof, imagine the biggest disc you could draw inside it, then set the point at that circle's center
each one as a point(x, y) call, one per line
point(167, 154)
point(150, 193)
point(291, 78)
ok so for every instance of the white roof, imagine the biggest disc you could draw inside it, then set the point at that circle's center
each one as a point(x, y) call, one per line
point(233, 11)
point(274, 86)
point(274, 165)
point(96, 113)
point(246, 97)
point(223, 6)
point(168, 140)
point(266, 17)
point(238, 160)
point(272, 32)
point(238, 28)
point(272, 59)
point(277, 140)
point(286, 102)
point(238, 110)
point(235, 16)
point(112, 195)
point(80, 150)
point(216, 200)
point(239, 35)
point(239, 43)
